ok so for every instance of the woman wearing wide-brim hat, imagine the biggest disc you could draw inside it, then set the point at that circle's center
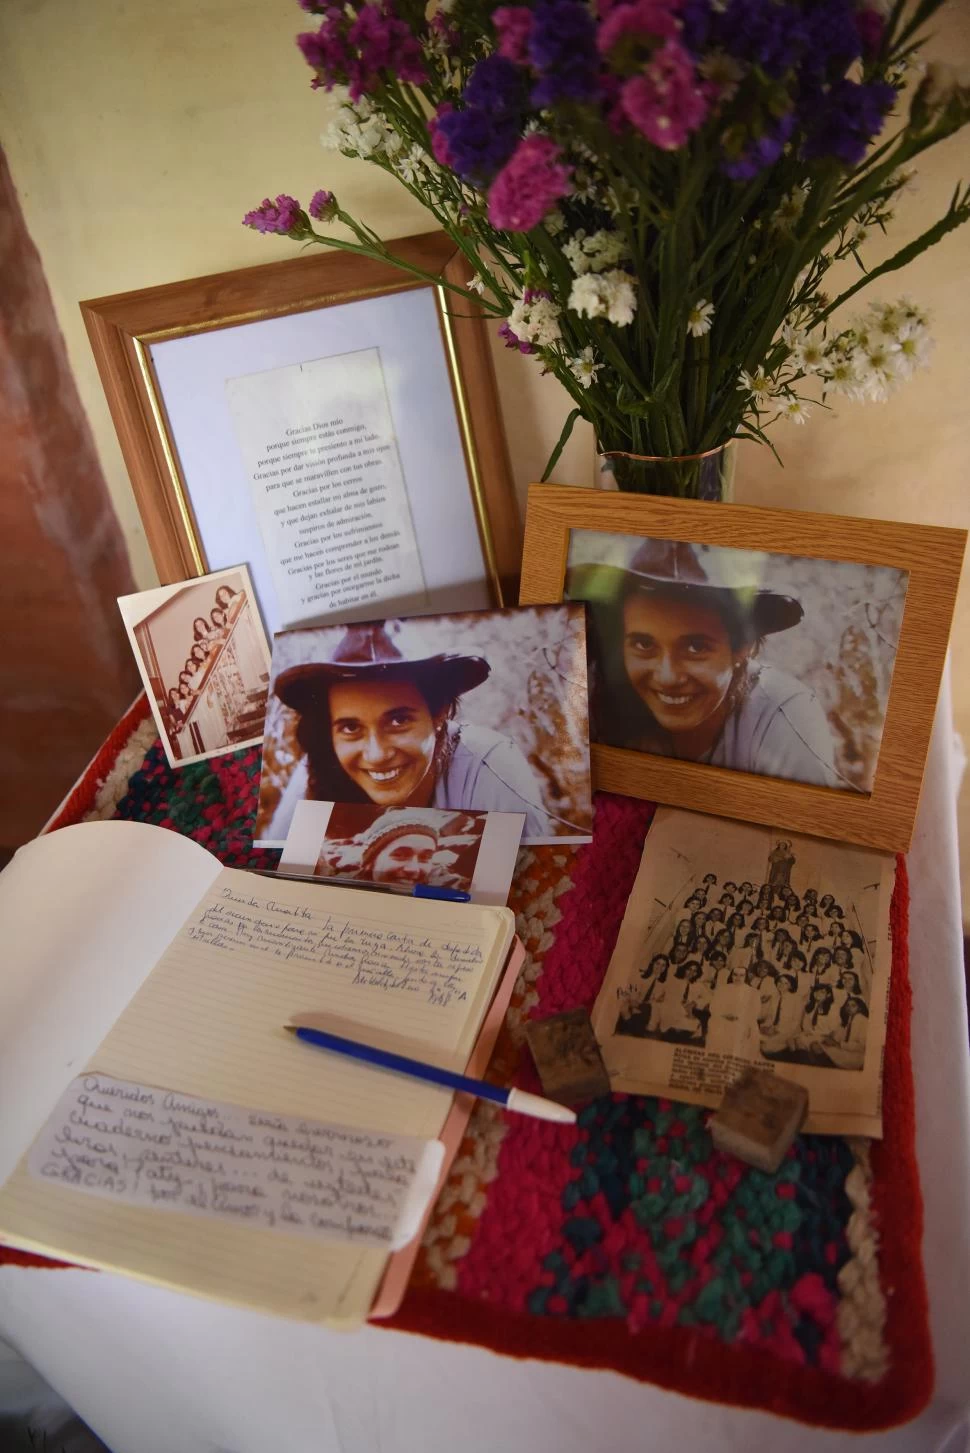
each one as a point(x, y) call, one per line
point(676, 635)
point(378, 722)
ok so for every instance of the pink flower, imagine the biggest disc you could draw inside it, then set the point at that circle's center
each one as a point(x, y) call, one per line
point(383, 43)
point(439, 142)
point(666, 101)
point(513, 25)
point(869, 25)
point(637, 19)
point(281, 216)
point(323, 206)
point(529, 185)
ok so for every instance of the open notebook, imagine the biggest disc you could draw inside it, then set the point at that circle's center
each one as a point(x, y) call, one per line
point(217, 961)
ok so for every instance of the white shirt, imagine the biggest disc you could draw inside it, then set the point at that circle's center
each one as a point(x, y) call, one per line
point(779, 730)
point(487, 773)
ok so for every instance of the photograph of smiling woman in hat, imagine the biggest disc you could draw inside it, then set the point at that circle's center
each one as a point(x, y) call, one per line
point(390, 712)
point(738, 658)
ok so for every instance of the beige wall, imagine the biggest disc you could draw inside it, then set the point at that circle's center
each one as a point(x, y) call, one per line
point(138, 134)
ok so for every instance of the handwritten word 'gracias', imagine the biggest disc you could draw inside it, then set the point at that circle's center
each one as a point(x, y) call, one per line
point(384, 959)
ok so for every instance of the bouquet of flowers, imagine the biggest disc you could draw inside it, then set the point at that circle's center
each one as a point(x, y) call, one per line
point(649, 193)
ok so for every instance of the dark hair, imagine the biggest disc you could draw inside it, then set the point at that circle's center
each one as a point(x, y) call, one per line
point(796, 953)
point(858, 1006)
point(653, 961)
point(822, 950)
point(620, 716)
point(328, 782)
point(230, 590)
point(817, 989)
point(197, 647)
point(217, 610)
point(851, 973)
point(196, 633)
point(788, 979)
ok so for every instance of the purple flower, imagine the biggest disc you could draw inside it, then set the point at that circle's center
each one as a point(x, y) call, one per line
point(666, 102)
point(562, 48)
point(383, 43)
point(852, 114)
point(476, 144)
point(511, 341)
point(496, 85)
point(528, 186)
point(695, 20)
point(763, 32)
point(512, 26)
point(762, 152)
point(282, 216)
point(831, 40)
point(323, 206)
point(325, 50)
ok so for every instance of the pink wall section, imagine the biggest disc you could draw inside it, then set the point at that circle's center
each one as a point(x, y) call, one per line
point(66, 672)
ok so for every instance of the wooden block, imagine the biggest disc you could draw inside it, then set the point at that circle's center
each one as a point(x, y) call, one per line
point(568, 1057)
point(758, 1118)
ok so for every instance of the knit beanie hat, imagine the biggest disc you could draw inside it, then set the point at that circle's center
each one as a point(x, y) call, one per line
point(391, 825)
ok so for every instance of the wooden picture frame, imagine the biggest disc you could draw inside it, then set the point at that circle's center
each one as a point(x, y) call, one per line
point(931, 557)
point(126, 331)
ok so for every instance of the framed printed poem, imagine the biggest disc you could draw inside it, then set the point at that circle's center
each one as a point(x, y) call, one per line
point(329, 420)
point(771, 666)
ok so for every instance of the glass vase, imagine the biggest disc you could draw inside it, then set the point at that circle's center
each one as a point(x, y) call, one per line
point(708, 476)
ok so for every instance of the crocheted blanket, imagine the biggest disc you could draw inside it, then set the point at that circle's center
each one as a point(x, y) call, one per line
point(627, 1242)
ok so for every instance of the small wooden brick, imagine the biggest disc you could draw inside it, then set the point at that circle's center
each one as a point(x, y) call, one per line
point(568, 1057)
point(758, 1118)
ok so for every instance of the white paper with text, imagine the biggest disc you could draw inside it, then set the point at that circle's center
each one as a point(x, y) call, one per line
point(209, 1022)
point(322, 461)
point(144, 1146)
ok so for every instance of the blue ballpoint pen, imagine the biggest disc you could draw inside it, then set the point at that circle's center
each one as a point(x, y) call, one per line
point(519, 1100)
point(417, 890)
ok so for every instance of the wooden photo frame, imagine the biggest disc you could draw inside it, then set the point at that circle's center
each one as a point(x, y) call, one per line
point(203, 376)
point(926, 559)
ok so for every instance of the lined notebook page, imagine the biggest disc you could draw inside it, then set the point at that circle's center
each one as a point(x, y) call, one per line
point(208, 1021)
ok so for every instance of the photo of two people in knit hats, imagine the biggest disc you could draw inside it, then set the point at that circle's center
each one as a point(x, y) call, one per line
point(483, 711)
point(742, 966)
point(778, 665)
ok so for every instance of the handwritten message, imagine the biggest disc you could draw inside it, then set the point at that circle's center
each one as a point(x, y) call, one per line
point(319, 447)
point(150, 1147)
point(438, 971)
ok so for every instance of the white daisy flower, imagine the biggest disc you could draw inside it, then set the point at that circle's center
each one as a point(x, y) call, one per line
point(700, 318)
point(584, 368)
point(809, 355)
point(794, 410)
point(758, 385)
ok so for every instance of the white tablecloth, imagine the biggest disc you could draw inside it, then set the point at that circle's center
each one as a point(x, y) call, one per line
point(152, 1371)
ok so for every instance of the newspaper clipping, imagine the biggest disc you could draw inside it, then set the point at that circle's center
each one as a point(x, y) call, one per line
point(745, 945)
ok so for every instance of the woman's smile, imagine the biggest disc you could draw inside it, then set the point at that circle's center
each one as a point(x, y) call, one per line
point(384, 739)
point(680, 662)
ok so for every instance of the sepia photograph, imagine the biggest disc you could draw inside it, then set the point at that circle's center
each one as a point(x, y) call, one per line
point(400, 847)
point(204, 661)
point(482, 711)
point(767, 663)
point(746, 945)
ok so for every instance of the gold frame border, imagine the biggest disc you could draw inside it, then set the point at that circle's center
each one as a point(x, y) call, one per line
point(142, 343)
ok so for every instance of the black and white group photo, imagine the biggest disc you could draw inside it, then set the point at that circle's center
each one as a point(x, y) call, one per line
point(792, 968)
